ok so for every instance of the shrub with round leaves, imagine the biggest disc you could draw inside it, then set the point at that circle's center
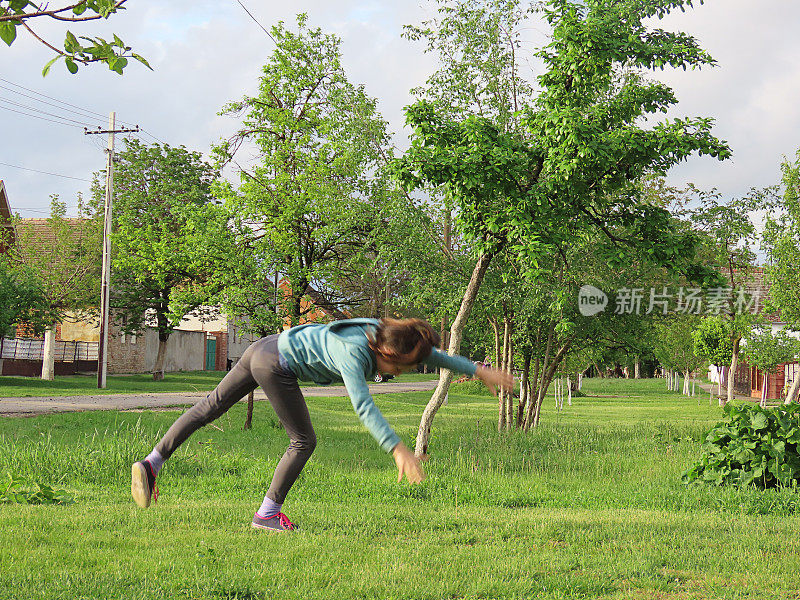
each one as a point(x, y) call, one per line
point(751, 445)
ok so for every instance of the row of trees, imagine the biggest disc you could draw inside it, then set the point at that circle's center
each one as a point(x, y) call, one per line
point(516, 191)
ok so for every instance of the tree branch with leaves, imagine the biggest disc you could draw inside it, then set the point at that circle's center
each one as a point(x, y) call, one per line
point(77, 50)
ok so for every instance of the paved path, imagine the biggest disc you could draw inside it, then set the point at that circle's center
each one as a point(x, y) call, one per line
point(28, 407)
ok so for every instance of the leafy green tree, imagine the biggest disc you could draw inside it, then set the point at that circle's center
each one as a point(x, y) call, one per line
point(63, 256)
point(781, 241)
point(478, 45)
point(585, 145)
point(730, 235)
point(22, 300)
point(765, 350)
point(78, 50)
point(713, 341)
point(675, 348)
point(165, 239)
point(312, 199)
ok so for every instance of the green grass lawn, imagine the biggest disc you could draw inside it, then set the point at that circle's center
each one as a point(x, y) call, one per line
point(589, 505)
point(79, 385)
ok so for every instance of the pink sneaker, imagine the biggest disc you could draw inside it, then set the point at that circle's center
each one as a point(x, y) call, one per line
point(279, 522)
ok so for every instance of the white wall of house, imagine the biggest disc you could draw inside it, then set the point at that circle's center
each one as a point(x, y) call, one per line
point(186, 350)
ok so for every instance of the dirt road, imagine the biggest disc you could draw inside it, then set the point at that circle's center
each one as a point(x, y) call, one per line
point(28, 407)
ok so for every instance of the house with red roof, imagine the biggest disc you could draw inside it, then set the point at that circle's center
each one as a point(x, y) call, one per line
point(749, 381)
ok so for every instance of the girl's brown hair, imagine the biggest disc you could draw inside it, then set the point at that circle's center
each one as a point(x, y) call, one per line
point(404, 341)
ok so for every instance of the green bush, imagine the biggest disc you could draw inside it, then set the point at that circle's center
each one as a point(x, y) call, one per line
point(21, 490)
point(751, 445)
point(469, 387)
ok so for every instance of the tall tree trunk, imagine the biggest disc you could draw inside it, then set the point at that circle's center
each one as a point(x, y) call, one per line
point(532, 383)
point(600, 373)
point(569, 391)
point(508, 366)
point(49, 354)
point(248, 423)
point(764, 383)
point(496, 331)
point(548, 373)
point(158, 367)
point(502, 393)
point(637, 368)
point(533, 408)
point(544, 385)
point(732, 372)
point(547, 378)
point(456, 334)
point(523, 387)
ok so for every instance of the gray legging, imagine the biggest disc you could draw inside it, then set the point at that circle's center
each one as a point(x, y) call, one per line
point(259, 366)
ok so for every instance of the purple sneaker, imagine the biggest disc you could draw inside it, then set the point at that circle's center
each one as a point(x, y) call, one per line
point(143, 484)
point(279, 522)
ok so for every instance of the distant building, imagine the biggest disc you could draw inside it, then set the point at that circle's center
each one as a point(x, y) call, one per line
point(77, 336)
point(749, 381)
point(6, 223)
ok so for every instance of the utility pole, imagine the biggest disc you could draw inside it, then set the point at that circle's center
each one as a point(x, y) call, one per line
point(102, 348)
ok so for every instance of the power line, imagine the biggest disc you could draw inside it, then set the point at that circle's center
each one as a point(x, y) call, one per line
point(154, 137)
point(43, 118)
point(44, 172)
point(56, 99)
point(257, 22)
point(84, 113)
point(89, 114)
point(44, 112)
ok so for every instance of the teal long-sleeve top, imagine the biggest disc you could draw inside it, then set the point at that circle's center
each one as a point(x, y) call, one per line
point(340, 352)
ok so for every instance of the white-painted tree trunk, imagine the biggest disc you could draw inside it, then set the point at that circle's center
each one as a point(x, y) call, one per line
point(731, 373)
point(49, 354)
point(791, 396)
point(569, 392)
point(763, 402)
point(555, 393)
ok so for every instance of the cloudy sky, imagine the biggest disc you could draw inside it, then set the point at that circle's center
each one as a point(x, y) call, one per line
point(205, 53)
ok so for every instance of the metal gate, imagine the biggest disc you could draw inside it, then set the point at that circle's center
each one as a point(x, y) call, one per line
point(211, 354)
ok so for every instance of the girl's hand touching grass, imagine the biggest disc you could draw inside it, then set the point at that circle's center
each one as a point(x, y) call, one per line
point(407, 464)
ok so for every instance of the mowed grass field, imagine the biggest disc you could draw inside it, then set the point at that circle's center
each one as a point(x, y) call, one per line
point(590, 505)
